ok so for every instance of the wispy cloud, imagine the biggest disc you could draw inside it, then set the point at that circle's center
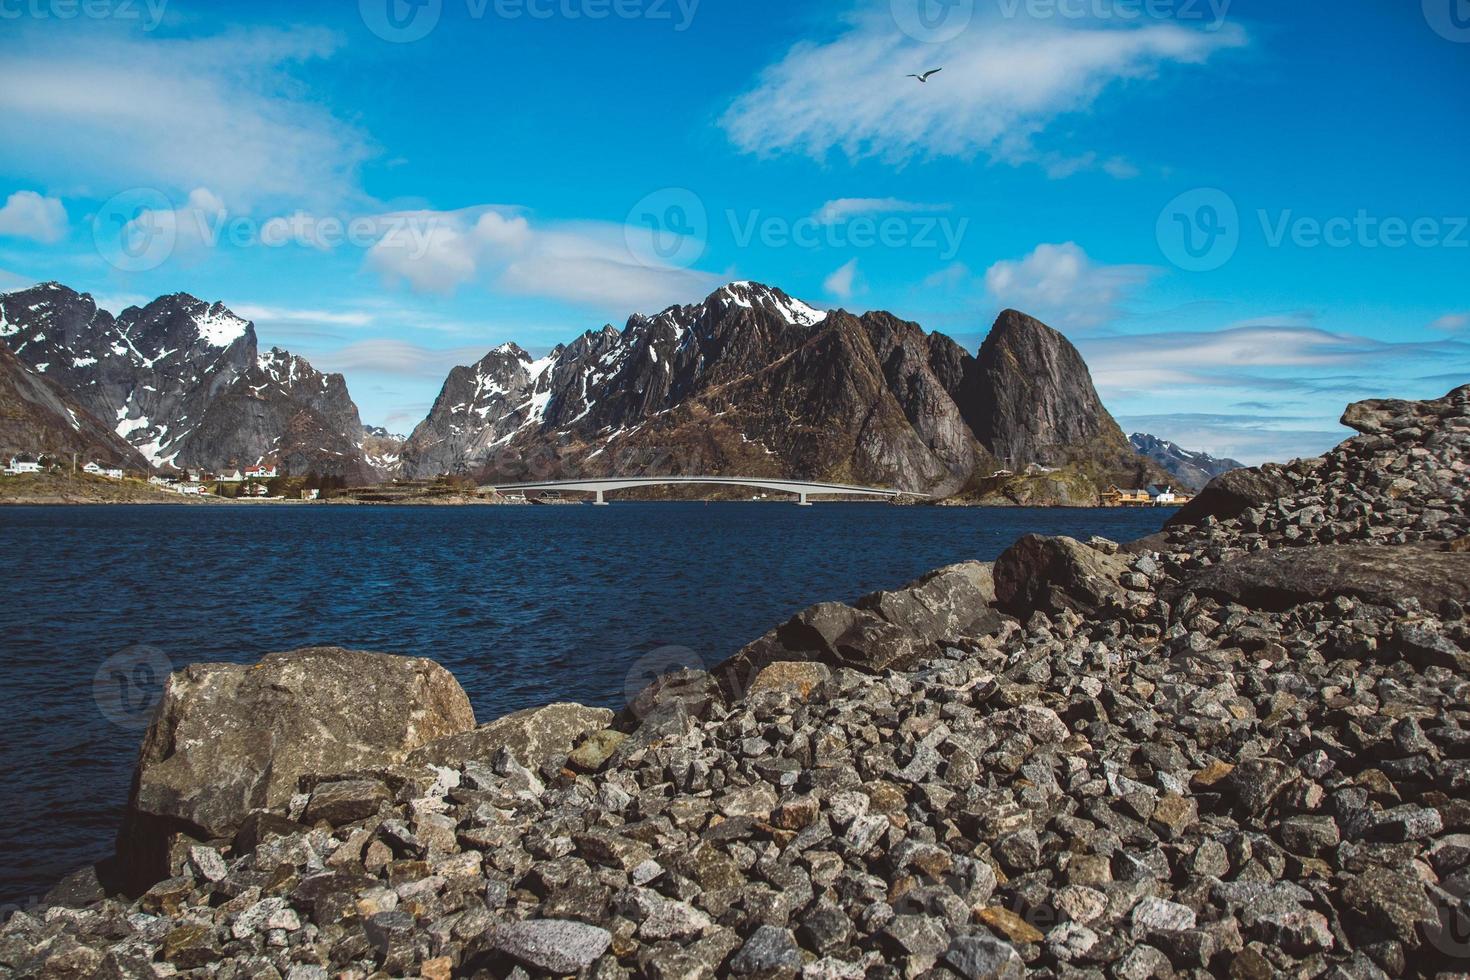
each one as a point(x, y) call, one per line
point(1004, 82)
point(1452, 322)
point(842, 281)
point(288, 315)
point(846, 208)
point(1247, 438)
point(1063, 286)
point(175, 114)
point(396, 357)
point(594, 264)
point(1259, 357)
point(27, 214)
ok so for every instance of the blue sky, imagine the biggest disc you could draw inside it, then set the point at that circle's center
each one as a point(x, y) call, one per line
point(1245, 213)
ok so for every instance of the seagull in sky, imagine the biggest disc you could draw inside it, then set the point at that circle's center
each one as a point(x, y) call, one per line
point(925, 77)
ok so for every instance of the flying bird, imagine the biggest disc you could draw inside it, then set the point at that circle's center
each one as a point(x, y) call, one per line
point(925, 77)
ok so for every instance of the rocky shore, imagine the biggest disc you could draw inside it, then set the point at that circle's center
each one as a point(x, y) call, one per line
point(1240, 747)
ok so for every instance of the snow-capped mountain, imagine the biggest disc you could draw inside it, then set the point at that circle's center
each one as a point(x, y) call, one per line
point(181, 380)
point(753, 381)
point(38, 416)
point(1193, 469)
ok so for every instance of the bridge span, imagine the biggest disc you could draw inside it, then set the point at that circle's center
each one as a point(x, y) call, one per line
point(800, 488)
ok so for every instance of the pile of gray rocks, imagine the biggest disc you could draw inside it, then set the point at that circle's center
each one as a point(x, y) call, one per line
point(1238, 748)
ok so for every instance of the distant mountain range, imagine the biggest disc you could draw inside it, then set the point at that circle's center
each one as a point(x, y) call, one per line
point(749, 381)
point(183, 382)
point(1191, 469)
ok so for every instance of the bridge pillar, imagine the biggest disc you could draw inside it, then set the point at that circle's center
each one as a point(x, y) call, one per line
point(599, 502)
point(803, 502)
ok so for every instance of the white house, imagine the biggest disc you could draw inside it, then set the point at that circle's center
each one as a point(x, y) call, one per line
point(1160, 494)
point(260, 472)
point(93, 469)
point(233, 476)
point(18, 466)
point(113, 473)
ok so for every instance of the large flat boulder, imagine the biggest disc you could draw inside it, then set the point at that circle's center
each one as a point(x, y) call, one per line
point(1380, 574)
point(535, 736)
point(949, 602)
point(829, 633)
point(1232, 494)
point(1052, 574)
point(229, 739)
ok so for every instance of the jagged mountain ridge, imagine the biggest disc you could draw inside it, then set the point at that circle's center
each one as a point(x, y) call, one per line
point(1192, 469)
point(38, 416)
point(182, 381)
point(752, 381)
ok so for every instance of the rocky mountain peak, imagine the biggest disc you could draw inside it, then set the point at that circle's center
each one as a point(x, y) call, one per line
point(1035, 397)
point(1192, 469)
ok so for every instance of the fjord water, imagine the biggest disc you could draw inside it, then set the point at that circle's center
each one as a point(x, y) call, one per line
point(525, 605)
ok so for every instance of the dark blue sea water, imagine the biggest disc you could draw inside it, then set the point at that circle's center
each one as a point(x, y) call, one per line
point(524, 604)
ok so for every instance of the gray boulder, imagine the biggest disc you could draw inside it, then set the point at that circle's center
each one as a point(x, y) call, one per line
point(829, 633)
point(229, 739)
point(1053, 574)
point(535, 736)
point(1233, 494)
point(1380, 574)
point(949, 602)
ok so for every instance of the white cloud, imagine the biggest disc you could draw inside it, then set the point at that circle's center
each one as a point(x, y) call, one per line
point(1004, 82)
point(1061, 285)
point(1451, 322)
point(176, 113)
point(27, 214)
point(396, 357)
point(1251, 357)
point(844, 208)
point(593, 264)
point(279, 314)
point(954, 275)
point(1247, 439)
point(841, 282)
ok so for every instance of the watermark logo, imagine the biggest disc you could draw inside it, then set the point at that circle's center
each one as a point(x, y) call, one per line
point(932, 21)
point(401, 21)
point(149, 12)
point(128, 685)
point(1450, 19)
point(657, 664)
point(669, 227)
point(1210, 13)
point(136, 231)
point(1450, 933)
point(1199, 231)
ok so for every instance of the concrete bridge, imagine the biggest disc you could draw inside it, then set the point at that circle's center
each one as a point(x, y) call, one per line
point(800, 488)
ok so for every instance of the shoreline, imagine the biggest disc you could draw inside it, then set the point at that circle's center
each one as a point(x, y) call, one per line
point(1085, 755)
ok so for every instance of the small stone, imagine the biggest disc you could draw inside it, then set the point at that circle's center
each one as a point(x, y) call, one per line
point(554, 945)
point(1158, 915)
point(984, 958)
point(1309, 835)
point(1009, 924)
point(768, 948)
point(596, 749)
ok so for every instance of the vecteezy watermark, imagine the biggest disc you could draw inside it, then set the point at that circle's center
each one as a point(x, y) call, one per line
point(1450, 932)
point(406, 21)
point(140, 229)
point(129, 684)
point(135, 231)
point(1211, 13)
point(670, 661)
point(671, 227)
point(940, 233)
point(1201, 230)
point(932, 21)
point(149, 12)
point(1450, 19)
